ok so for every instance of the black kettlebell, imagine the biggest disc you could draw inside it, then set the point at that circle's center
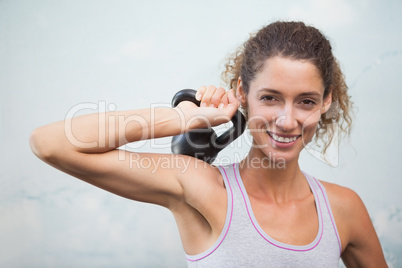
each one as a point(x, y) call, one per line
point(203, 143)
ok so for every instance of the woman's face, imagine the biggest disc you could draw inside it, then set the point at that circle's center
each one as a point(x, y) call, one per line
point(285, 102)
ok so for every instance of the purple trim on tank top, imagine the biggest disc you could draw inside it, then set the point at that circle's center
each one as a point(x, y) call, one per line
point(271, 240)
point(324, 192)
point(227, 225)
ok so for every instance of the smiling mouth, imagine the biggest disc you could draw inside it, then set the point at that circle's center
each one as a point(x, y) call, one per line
point(282, 139)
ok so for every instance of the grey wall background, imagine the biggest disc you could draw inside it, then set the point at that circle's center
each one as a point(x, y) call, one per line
point(55, 55)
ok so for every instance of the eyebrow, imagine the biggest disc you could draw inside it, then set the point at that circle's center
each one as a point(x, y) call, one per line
point(273, 91)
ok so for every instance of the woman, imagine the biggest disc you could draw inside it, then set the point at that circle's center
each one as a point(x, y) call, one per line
point(263, 211)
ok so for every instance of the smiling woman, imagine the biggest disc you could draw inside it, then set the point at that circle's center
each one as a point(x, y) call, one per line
point(286, 99)
point(263, 211)
point(295, 41)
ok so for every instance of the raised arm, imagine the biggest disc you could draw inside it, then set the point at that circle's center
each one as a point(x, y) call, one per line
point(85, 147)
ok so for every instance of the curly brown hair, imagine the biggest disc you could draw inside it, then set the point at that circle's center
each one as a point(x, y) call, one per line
point(295, 40)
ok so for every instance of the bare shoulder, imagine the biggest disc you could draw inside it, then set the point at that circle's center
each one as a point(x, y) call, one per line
point(348, 209)
point(360, 244)
point(203, 192)
point(200, 181)
point(343, 199)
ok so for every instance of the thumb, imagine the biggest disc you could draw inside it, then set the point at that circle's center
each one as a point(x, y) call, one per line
point(233, 103)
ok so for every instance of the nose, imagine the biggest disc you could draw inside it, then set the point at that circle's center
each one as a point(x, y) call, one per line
point(285, 120)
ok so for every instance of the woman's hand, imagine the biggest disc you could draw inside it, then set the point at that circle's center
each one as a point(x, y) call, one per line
point(217, 107)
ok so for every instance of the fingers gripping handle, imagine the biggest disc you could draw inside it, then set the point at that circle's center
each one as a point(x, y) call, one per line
point(204, 143)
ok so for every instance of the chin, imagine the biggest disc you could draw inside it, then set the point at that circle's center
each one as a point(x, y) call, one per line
point(282, 159)
point(271, 158)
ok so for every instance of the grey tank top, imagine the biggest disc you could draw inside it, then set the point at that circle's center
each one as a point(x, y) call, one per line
point(243, 243)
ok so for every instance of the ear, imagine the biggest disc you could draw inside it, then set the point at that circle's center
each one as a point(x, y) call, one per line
point(240, 94)
point(327, 103)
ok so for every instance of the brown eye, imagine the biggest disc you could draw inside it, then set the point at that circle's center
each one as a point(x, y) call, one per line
point(267, 98)
point(308, 102)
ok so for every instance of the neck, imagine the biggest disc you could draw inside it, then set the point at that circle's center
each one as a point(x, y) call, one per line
point(281, 181)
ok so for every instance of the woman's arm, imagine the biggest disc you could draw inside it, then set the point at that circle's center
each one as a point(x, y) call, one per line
point(361, 246)
point(85, 147)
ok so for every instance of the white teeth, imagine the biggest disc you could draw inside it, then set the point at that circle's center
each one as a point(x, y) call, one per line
point(282, 139)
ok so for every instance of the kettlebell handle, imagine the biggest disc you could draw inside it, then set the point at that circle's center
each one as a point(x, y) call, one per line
point(185, 95)
point(203, 143)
